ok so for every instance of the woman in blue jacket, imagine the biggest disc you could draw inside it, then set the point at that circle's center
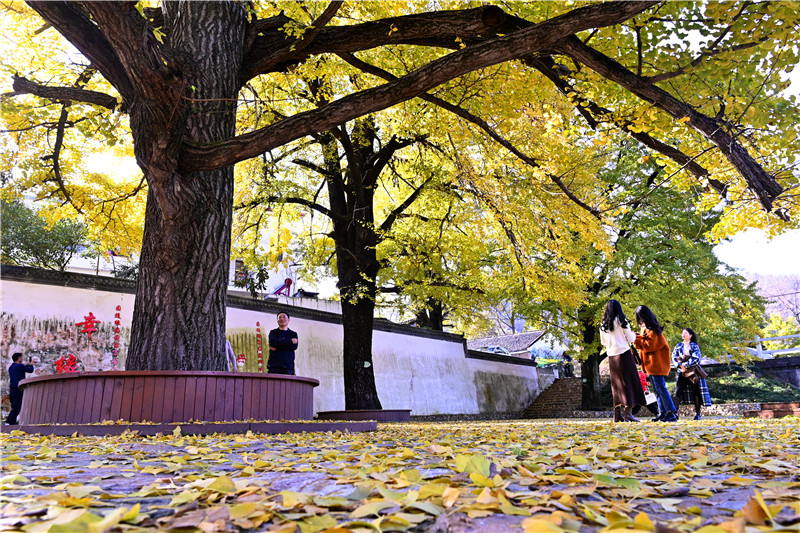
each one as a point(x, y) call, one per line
point(685, 355)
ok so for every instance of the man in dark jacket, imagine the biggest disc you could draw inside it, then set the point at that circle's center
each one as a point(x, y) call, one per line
point(282, 345)
point(16, 372)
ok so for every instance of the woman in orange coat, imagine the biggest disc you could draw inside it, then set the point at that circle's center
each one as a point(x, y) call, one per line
point(655, 354)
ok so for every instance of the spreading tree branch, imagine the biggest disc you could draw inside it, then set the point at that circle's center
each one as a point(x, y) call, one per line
point(508, 228)
point(712, 49)
point(55, 157)
point(594, 113)
point(482, 124)
point(384, 155)
point(270, 52)
point(314, 167)
point(389, 221)
point(699, 59)
point(293, 49)
point(79, 30)
point(23, 85)
point(492, 51)
point(262, 25)
point(308, 203)
point(445, 284)
point(765, 187)
point(136, 46)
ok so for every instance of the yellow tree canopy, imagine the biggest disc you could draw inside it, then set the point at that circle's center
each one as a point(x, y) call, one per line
point(208, 85)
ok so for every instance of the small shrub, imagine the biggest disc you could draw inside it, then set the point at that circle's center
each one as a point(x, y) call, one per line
point(747, 388)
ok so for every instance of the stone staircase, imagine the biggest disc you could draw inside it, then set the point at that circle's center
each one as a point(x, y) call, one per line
point(775, 410)
point(559, 400)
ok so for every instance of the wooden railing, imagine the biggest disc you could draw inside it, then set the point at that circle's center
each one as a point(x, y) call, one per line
point(761, 353)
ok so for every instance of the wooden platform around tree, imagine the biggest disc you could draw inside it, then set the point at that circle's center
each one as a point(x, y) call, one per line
point(165, 397)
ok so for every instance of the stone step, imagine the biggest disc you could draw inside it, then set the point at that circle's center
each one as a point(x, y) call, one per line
point(772, 413)
point(559, 400)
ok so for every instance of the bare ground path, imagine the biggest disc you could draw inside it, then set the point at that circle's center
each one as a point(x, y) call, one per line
point(709, 476)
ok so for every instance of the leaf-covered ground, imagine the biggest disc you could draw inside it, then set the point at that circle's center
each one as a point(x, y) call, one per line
point(710, 476)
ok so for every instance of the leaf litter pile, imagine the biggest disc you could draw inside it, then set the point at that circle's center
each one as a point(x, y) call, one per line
point(734, 475)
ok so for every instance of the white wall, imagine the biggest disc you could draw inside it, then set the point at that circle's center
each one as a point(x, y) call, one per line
point(429, 374)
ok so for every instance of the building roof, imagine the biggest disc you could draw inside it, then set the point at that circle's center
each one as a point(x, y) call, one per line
point(515, 343)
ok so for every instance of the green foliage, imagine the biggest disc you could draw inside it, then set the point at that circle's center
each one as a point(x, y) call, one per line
point(779, 326)
point(28, 240)
point(130, 271)
point(663, 258)
point(254, 281)
point(744, 388)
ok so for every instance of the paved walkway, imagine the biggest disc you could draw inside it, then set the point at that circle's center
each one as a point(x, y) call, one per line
point(448, 477)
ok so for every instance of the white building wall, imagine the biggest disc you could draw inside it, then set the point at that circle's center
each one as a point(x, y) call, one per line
point(429, 374)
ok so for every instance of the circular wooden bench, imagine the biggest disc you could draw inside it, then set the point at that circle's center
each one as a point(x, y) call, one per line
point(165, 397)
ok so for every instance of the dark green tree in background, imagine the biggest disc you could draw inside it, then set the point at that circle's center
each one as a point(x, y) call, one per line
point(28, 240)
point(661, 258)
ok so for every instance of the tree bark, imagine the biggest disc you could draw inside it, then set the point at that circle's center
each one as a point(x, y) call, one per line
point(357, 267)
point(181, 295)
point(351, 195)
point(590, 382)
point(590, 366)
point(432, 316)
point(359, 375)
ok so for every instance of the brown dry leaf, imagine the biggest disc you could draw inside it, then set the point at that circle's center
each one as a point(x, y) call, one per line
point(755, 512)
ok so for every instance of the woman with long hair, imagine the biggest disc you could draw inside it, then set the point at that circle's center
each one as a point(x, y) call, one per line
point(654, 352)
point(616, 336)
point(685, 355)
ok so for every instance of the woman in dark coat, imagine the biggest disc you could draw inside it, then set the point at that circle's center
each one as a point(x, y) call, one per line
point(616, 336)
point(685, 355)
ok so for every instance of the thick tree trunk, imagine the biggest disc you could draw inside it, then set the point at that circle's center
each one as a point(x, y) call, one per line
point(436, 314)
point(431, 317)
point(179, 315)
point(356, 256)
point(590, 386)
point(590, 366)
point(358, 291)
point(358, 267)
point(359, 376)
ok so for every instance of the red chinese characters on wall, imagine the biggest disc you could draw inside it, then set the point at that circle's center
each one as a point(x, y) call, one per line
point(89, 323)
point(115, 350)
point(260, 353)
point(66, 365)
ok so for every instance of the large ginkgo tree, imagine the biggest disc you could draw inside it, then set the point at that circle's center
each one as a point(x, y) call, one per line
point(697, 83)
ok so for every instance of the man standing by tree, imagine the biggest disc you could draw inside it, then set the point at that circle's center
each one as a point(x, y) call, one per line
point(282, 345)
point(16, 373)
